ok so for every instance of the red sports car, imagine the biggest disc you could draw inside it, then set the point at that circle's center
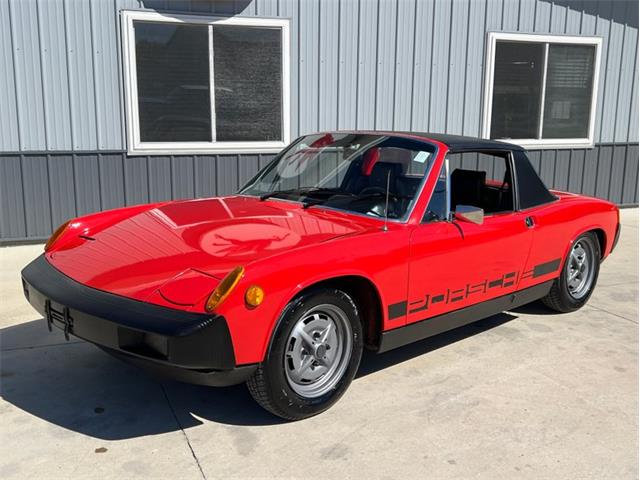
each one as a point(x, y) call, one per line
point(345, 241)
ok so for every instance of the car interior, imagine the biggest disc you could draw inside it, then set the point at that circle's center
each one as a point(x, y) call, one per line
point(488, 186)
point(367, 181)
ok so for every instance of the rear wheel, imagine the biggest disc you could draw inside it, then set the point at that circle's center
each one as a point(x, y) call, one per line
point(575, 285)
point(313, 357)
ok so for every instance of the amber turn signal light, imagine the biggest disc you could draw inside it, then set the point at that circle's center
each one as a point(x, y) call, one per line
point(56, 235)
point(254, 296)
point(223, 290)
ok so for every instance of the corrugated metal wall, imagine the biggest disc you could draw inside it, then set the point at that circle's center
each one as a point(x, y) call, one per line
point(385, 64)
point(81, 183)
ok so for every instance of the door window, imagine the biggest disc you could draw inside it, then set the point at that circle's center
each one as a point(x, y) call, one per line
point(483, 180)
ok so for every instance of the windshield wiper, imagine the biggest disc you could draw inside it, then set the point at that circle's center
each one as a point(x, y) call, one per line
point(290, 191)
point(306, 191)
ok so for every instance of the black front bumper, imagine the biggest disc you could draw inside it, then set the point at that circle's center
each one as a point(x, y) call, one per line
point(185, 346)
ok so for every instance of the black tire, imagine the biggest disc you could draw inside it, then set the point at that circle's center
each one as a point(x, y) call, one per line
point(560, 297)
point(269, 385)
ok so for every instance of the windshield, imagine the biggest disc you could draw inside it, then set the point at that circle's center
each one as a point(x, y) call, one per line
point(350, 172)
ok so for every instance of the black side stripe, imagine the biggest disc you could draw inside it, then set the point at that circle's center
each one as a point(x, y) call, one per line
point(545, 268)
point(397, 310)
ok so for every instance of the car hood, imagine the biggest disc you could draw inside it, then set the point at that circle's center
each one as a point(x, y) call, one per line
point(181, 250)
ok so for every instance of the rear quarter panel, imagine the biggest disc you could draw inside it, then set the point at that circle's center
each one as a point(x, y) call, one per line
point(558, 224)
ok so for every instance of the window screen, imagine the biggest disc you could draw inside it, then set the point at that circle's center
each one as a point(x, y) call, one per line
point(517, 90)
point(208, 83)
point(172, 63)
point(542, 90)
point(568, 94)
point(247, 72)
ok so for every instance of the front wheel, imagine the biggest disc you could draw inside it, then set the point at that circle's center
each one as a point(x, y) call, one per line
point(575, 285)
point(313, 357)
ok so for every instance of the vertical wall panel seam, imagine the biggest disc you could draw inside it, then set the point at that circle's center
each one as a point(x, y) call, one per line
point(466, 68)
point(93, 76)
point(319, 64)
point(124, 178)
point(298, 69)
point(70, 93)
point(446, 104)
point(15, 81)
point(149, 179)
point(413, 63)
point(610, 173)
point(215, 171)
point(433, 38)
point(44, 90)
point(636, 189)
point(100, 193)
point(75, 185)
point(584, 169)
point(171, 177)
point(101, 184)
point(395, 68)
point(569, 168)
point(193, 179)
point(605, 77)
point(633, 83)
point(48, 163)
point(338, 53)
point(375, 76)
point(237, 178)
point(24, 197)
point(357, 63)
point(624, 171)
point(120, 73)
point(484, 63)
point(595, 183)
point(581, 19)
point(615, 112)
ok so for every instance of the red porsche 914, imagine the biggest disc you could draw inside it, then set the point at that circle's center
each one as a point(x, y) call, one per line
point(346, 240)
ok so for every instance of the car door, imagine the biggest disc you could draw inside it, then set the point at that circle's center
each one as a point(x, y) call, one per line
point(456, 263)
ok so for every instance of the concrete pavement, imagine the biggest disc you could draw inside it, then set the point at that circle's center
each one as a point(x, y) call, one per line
point(526, 394)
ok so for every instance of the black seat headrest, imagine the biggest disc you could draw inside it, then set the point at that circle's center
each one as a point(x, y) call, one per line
point(378, 177)
point(466, 187)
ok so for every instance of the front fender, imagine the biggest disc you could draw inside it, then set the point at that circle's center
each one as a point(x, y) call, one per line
point(286, 275)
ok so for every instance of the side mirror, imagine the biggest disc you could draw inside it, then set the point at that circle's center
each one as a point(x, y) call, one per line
point(468, 213)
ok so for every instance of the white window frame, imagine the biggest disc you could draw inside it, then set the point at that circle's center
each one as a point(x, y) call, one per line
point(137, 147)
point(536, 143)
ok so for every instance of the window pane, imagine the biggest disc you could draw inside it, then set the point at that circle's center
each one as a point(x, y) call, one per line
point(517, 87)
point(172, 63)
point(486, 183)
point(437, 208)
point(248, 83)
point(568, 93)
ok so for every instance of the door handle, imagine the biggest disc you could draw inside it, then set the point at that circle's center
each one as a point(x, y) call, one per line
point(530, 222)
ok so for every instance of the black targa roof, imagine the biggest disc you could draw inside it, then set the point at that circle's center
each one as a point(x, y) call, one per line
point(457, 143)
point(461, 143)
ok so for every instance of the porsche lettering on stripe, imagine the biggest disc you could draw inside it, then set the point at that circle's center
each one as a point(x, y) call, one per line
point(398, 310)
